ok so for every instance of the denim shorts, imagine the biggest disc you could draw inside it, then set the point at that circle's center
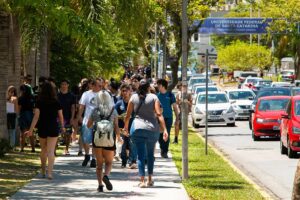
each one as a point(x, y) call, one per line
point(87, 135)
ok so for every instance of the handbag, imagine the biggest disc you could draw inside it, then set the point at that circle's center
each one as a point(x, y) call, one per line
point(132, 128)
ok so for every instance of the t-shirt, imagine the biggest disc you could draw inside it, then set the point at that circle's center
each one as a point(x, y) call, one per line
point(88, 99)
point(66, 101)
point(26, 104)
point(145, 117)
point(166, 101)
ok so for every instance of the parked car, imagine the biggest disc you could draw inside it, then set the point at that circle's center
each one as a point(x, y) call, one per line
point(264, 92)
point(249, 82)
point(220, 110)
point(195, 80)
point(288, 75)
point(261, 84)
point(243, 75)
point(290, 128)
point(281, 84)
point(210, 83)
point(241, 100)
point(266, 116)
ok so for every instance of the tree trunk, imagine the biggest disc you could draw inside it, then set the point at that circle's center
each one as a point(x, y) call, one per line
point(5, 64)
point(296, 189)
point(43, 56)
point(14, 72)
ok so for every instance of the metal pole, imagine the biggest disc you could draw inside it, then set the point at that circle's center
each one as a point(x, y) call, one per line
point(259, 35)
point(184, 90)
point(155, 52)
point(206, 102)
point(165, 49)
point(251, 17)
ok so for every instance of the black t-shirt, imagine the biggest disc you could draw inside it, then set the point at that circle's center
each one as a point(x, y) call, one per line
point(121, 108)
point(26, 103)
point(66, 101)
point(48, 123)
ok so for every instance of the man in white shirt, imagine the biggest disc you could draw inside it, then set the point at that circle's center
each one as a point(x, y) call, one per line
point(87, 104)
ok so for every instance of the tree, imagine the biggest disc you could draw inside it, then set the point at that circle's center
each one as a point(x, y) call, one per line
point(243, 56)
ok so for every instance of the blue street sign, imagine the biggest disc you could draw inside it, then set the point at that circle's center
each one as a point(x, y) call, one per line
point(234, 26)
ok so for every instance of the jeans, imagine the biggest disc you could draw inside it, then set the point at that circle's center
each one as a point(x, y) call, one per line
point(86, 135)
point(145, 141)
point(164, 146)
point(12, 137)
point(128, 145)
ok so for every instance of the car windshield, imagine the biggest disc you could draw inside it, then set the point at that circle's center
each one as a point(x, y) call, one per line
point(297, 107)
point(287, 73)
point(265, 83)
point(240, 95)
point(254, 81)
point(245, 75)
point(278, 92)
point(203, 89)
point(198, 80)
point(213, 99)
point(273, 104)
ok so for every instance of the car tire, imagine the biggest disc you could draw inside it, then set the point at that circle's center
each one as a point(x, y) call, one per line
point(283, 149)
point(254, 137)
point(290, 152)
point(231, 124)
point(195, 125)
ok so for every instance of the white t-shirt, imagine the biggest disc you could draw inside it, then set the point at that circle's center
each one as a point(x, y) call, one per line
point(88, 99)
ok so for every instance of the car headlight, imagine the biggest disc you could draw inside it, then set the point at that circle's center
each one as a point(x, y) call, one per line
point(198, 111)
point(259, 120)
point(230, 110)
point(296, 130)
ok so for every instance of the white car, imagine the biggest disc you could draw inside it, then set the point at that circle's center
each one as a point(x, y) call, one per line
point(249, 82)
point(241, 101)
point(281, 84)
point(210, 83)
point(196, 80)
point(220, 110)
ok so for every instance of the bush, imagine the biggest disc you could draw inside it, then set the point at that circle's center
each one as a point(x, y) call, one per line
point(4, 147)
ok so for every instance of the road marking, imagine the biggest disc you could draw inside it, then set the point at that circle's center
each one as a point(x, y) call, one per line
point(257, 187)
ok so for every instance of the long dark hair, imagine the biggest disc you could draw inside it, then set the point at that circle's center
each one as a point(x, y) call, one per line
point(25, 91)
point(143, 89)
point(48, 93)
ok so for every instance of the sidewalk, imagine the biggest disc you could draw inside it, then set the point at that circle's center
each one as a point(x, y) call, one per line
point(72, 181)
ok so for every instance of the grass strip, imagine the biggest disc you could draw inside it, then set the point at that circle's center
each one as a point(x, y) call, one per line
point(210, 177)
point(17, 169)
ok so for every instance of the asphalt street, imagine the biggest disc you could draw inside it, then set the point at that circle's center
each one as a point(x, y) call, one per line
point(261, 161)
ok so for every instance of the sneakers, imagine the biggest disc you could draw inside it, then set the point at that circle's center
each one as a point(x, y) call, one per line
point(100, 188)
point(175, 140)
point(107, 183)
point(132, 166)
point(164, 155)
point(93, 163)
point(86, 160)
point(80, 153)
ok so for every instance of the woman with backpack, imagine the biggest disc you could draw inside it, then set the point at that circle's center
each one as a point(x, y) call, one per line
point(145, 128)
point(104, 119)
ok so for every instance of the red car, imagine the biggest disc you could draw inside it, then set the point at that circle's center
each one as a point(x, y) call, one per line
point(267, 116)
point(290, 128)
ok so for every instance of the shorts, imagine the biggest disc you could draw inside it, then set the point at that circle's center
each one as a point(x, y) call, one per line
point(86, 134)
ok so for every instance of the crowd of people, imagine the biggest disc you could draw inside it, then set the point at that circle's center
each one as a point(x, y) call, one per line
point(133, 114)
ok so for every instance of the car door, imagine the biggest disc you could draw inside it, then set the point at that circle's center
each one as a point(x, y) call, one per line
point(285, 123)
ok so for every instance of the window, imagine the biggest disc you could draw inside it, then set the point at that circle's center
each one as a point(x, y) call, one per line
point(273, 104)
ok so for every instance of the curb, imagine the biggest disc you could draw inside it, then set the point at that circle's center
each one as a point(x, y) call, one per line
point(223, 156)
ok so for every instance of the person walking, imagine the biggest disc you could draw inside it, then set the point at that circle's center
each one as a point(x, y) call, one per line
point(104, 111)
point(11, 110)
point(128, 152)
point(46, 112)
point(25, 105)
point(168, 103)
point(67, 101)
point(145, 128)
point(87, 104)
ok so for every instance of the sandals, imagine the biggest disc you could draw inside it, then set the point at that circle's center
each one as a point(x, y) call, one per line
point(150, 183)
point(142, 185)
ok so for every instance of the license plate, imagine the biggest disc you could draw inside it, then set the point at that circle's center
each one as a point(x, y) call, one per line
point(275, 128)
point(245, 111)
point(213, 117)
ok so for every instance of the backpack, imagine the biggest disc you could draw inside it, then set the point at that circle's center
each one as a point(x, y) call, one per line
point(104, 132)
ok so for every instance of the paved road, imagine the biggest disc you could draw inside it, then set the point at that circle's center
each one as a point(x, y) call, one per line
point(261, 160)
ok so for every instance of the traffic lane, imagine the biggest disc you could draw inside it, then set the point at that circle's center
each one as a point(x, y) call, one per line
point(261, 160)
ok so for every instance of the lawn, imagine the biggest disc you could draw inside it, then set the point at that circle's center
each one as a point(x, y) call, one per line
point(210, 177)
point(16, 169)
